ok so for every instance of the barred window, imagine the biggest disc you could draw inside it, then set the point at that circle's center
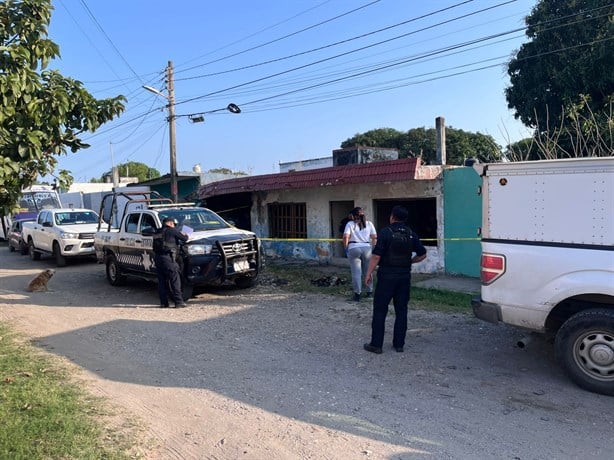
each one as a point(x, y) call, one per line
point(288, 220)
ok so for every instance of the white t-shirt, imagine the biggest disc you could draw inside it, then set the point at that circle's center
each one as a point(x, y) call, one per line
point(360, 237)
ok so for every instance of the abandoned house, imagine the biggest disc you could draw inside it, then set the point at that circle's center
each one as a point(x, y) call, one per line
point(297, 213)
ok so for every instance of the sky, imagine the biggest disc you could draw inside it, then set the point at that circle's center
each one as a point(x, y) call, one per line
point(306, 74)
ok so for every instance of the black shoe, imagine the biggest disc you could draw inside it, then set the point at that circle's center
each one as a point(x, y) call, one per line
point(368, 294)
point(181, 305)
point(398, 349)
point(372, 349)
point(356, 297)
point(164, 305)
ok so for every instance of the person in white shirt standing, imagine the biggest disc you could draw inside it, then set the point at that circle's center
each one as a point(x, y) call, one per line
point(359, 237)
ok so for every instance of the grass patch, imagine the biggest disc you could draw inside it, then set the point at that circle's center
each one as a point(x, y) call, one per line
point(299, 277)
point(44, 415)
point(440, 300)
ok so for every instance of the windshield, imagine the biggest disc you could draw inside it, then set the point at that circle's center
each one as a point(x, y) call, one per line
point(197, 218)
point(76, 217)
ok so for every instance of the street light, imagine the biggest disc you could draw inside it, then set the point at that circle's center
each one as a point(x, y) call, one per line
point(195, 118)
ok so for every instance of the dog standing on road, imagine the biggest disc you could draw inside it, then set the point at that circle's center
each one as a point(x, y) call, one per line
point(39, 282)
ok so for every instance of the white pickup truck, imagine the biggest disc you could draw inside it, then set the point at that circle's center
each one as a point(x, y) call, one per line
point(216, 252)
point(62, 232)
point(548, 258)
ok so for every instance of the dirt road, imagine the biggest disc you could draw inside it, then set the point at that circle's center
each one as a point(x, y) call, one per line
point(263, 374)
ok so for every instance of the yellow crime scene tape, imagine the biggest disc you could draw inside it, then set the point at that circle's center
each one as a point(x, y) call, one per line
point(332, 240)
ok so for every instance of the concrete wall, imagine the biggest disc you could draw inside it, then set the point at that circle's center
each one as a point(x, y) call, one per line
point(362, 155)
point(302, 165)
point(320, 228)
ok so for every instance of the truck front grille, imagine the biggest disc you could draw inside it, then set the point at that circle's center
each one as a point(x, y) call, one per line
point(86, 236)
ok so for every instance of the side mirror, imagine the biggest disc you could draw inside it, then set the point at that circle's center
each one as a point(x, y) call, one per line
point(47, 224)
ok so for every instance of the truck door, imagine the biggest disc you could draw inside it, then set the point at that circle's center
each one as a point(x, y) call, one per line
point(130, 243)
point(45, 231)
point(147, 226)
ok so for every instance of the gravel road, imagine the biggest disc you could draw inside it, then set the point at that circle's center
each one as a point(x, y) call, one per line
point(267, 374)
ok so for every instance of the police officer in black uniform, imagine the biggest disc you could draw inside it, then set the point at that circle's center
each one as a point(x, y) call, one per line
point(165, 248)
point(393, 253)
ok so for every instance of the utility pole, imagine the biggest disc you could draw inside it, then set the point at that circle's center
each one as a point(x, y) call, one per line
point(170, 85)
point(440, 155)
point(170, 97)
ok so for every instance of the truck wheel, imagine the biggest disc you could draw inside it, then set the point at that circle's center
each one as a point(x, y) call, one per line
point(244, 282)
point(11, 248)
point(585, 348)
point(114, 275)
point(23, 248)
point(60, 260)
point(32, 250)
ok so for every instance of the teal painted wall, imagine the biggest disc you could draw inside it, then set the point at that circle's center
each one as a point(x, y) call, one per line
point(185, 187)
point(462, 218)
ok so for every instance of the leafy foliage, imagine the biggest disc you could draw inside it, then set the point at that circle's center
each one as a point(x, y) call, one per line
point(562, 80)
point(422, 142)
point(139, 170)
point(42, 113)
point(227, 171)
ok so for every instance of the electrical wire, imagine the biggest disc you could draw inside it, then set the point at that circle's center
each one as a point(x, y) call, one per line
point(253, 34)
point(381, 67)
point(282, 38)
point(330, 45)
point(319, 61)
point(258, 106)
point(110, 41)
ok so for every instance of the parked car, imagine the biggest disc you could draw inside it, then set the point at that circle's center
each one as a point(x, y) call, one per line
point(64, 233)
point(16, 242)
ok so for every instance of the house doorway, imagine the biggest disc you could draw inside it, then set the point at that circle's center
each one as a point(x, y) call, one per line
point(422, 216)
point(339, 210)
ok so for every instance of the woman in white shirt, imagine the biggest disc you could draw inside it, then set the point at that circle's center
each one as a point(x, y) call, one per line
point(359, 237)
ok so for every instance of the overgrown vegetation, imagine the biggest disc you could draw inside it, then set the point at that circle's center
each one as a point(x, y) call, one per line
point(336, 281)
point(44, 415)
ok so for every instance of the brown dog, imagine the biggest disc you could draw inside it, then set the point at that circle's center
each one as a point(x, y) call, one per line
point(39, 282)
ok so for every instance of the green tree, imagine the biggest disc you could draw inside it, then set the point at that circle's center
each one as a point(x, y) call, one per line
point(42, 113)
point(136, 169)
point(227, 171)
point(422, 142)
point(562, 80)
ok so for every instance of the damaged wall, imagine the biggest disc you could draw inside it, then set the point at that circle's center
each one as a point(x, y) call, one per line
point(320, 229)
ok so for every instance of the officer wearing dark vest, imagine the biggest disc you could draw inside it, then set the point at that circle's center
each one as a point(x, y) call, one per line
point(394, 254)
point(165, 246)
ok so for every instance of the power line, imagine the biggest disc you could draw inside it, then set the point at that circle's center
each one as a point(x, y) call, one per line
point(335, 80)
point(110, 41)
point(255, 33)
point(283, 38)
point(377, 88)
point(342, 54)
point(330, 45)
point(379, 68)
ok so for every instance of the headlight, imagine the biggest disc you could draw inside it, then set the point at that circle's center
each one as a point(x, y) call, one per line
point(69, 236)
point(199, 249)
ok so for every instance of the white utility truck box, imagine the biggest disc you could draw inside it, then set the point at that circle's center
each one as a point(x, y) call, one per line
point(548, 258)
point(559, 201)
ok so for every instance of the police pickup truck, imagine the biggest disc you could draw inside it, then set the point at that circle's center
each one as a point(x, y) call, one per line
point(215, 253)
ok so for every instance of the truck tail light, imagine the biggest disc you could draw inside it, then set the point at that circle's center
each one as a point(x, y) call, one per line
point(492, 267)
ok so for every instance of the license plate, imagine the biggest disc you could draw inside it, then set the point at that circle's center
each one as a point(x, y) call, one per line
point(240, 265)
